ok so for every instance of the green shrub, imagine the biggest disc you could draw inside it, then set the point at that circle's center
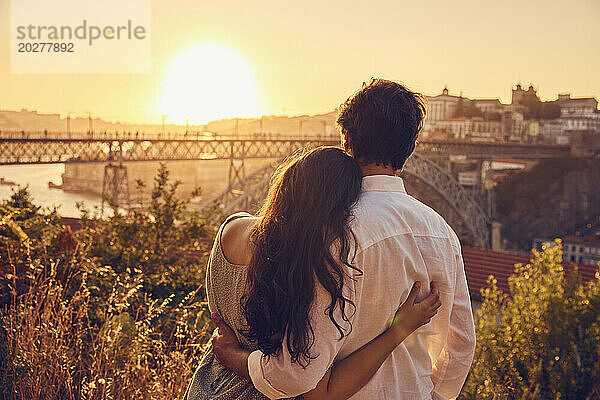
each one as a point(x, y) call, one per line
point(542, 341)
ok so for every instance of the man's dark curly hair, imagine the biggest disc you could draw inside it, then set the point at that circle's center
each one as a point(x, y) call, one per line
point(380, 123)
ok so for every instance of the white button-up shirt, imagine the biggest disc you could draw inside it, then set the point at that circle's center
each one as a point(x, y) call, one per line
point(399, 241)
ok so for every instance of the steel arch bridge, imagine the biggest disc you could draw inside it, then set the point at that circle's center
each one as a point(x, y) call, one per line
point(247, 191)
point(39, 150)
point(248, 194)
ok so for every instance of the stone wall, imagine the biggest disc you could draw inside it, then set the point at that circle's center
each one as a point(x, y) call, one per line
point(585, 143)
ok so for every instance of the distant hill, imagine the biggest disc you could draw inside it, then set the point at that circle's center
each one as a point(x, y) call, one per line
point(271, 124)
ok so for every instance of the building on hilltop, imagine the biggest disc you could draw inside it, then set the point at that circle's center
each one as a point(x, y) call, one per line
point(513, 125)
point(578, 115)
point(476, 129)
point(526, 120)
point(584, 250)
point(483, 130)
point(580, 123)
point(522, 97)
point(487, 120)
point(442, 106)
point(454, 128)
point(579, 106)
point(551, 131)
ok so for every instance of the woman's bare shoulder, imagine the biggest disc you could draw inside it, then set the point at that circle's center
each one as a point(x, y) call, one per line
point(235, 240)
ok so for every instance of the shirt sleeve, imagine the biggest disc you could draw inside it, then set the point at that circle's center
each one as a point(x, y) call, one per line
point(452, 367)
point(277, 377)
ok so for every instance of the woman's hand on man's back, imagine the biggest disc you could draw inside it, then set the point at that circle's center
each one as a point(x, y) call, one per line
point(412, 314)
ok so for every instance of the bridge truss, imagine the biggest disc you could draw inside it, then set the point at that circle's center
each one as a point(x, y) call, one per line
point(453, 193)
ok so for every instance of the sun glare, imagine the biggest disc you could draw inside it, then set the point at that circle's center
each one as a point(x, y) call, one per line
point(208, 82)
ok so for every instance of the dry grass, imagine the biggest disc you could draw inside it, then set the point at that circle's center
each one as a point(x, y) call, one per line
point(53, 350)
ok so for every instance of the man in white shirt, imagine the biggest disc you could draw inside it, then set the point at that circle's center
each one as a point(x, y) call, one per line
point(400, 241)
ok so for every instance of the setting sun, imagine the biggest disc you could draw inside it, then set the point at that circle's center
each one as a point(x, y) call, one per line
point(208, 82)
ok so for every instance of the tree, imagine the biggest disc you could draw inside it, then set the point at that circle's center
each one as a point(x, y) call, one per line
point(542, 341)
point(550, 110)
point(21, 198)
point(466, 108)
point(536, 109)
point(471, 111)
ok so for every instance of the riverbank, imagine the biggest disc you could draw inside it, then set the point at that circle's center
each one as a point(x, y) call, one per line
point(37, 177)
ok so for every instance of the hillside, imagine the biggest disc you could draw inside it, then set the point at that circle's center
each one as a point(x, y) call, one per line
point(283, 125)
point(554, 198)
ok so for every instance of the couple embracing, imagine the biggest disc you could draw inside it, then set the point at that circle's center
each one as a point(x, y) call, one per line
point(343, 286)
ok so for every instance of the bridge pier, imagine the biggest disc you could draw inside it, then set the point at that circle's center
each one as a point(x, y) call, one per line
point(237, 172)
point(496, 236)
point(115, 186)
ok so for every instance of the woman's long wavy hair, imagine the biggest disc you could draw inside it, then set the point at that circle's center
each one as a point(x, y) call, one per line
point(302, 236)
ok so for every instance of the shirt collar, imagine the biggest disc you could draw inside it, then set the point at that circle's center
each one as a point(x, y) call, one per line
point(382, 183)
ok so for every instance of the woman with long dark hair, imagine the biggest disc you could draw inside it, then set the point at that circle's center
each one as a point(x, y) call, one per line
point(268, 273)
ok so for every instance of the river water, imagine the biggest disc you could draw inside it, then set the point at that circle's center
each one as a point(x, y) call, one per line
point(37, 177)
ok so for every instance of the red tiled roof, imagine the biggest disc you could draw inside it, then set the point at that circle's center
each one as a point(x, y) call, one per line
point(481, 263)
point(508, 160)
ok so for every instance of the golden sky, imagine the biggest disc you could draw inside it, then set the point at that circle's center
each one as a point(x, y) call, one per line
point(308, 56)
